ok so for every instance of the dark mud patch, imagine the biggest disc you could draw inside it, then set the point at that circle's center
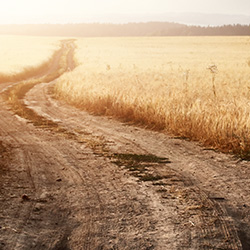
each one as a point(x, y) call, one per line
point(141, 158)
point(141, 166)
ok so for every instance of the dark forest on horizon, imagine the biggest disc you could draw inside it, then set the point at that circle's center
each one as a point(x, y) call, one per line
point(120, 30)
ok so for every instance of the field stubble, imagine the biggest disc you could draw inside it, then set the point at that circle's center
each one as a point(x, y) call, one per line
point(192, 87)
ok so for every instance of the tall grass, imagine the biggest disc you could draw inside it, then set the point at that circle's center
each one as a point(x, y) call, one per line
point(197, 88)
point(56, 65)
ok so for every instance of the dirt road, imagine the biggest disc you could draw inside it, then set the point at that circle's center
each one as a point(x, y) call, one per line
point(71, 180)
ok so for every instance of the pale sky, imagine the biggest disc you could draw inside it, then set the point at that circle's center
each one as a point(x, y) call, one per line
point(70, 11)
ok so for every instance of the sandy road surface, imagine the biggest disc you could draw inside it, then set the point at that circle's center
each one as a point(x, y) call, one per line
point(87, 182)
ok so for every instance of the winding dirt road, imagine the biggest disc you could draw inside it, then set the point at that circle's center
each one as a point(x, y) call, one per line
point(71, 180)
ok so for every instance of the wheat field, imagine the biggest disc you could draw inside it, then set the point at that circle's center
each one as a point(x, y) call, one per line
point(20, 55)
point(192, 87)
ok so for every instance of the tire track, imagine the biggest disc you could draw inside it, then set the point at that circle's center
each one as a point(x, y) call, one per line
point(221, 226)
point(224, 227)
point(124, 214)
point(129, 143)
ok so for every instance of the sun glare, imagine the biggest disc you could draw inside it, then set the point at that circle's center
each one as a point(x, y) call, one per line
point(68, 11)
point(122, 129)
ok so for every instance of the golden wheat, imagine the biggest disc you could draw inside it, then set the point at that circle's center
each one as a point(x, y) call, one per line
point(21, 55)
point(195, 87)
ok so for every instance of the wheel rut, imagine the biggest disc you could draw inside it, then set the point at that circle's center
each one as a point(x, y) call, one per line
point(83, 182)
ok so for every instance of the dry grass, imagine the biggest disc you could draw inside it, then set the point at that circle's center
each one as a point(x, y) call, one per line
point(168, 84)
point(56, 65)
point(23, 57)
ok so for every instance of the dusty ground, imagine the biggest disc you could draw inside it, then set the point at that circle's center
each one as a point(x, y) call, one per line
point(71, 180)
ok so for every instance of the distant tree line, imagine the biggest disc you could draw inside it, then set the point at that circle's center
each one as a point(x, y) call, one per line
point(130, 29)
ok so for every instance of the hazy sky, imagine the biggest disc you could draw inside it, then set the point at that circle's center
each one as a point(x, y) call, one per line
point(63, 11)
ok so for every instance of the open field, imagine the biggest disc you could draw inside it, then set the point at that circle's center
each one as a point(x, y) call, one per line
point(73, 180)
point(194, 87)
point(20, 55)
